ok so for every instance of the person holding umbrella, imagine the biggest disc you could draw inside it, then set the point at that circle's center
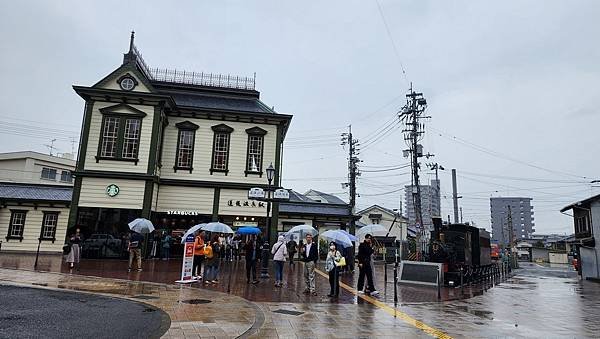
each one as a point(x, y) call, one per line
point(365, 251)
point(331, 266)
point(292, 248)
point(198, 255)
point(135, 252)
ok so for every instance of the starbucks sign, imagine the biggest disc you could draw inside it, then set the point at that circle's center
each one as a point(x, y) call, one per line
point(112, 190)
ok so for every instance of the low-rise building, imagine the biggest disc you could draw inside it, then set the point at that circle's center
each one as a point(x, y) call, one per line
point(586, 219)
point(390, 219)
point(35, 196)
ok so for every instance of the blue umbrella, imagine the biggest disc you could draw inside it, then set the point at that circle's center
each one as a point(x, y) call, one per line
point(248, 230)
point(353, 238)
point(191, 231)
point(217, 227)
point(141, 225)
point(338, 237)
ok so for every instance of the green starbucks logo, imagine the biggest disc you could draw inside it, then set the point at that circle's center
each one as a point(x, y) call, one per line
point(112, 190)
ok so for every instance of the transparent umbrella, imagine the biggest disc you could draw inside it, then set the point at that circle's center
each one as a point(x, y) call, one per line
point(371, 229)
point(338, 237)
point(191, 231)
point(217, 227)
point(302, 229)
point(141, 225)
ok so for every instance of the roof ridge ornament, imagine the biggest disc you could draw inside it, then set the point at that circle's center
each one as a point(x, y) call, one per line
point(131, 41)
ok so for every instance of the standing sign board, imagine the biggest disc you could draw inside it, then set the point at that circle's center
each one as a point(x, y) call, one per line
point(188, 261)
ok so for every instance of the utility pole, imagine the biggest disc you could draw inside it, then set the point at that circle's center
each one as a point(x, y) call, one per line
point(510, 228)
point(461, 218)
point(455, 196)
point(353, 172)
point(411, 114)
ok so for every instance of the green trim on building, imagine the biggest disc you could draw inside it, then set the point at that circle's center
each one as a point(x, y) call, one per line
point(85, 134)
point(156, 134)
point(276, 181)
point(216, 199)
point(74, 203)
point(147, 204)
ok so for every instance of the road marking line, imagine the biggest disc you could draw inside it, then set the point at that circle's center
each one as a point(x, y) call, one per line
point(392, 311)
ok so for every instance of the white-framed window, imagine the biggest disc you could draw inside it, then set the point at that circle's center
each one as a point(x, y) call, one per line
point(221, 151)
point(17, 224)
point(131, 138)
point(110, 135)
point(185, 151)
point(48, 173)
point(66, 176)
point(49, 224)
point(255, 148)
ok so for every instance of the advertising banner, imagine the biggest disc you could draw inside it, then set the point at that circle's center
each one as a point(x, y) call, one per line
point(188, 261)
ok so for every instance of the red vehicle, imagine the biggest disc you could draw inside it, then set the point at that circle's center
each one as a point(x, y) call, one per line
point(495, 251)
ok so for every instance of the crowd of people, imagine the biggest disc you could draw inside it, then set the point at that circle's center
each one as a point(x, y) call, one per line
point(210, 250)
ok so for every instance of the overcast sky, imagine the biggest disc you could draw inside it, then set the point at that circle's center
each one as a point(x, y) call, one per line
point(512, 87)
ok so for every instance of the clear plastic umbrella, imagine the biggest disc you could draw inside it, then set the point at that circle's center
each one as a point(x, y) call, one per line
point(353, 238)
point(191, 231)
point(217, 227)
point(371, 229)
point(141, 225)
point(338, 237)
point(302, 229)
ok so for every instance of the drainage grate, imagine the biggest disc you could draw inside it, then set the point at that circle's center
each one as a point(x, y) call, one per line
point(148, 309)
point(196, 301)
point(289, 312)
point(145, 297)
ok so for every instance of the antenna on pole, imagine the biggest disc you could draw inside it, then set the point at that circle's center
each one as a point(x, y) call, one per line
point(51, 147)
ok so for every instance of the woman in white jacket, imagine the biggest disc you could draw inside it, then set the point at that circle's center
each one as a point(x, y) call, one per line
point(280, 254)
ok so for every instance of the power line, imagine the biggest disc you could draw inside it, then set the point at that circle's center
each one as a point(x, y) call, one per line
point(389, 33)
point(387, 170)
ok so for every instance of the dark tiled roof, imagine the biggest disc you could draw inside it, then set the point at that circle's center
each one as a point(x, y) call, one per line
point(314, 208)
point(33, 192)
point(331, 199)
point(297, 197)
point(219, 102)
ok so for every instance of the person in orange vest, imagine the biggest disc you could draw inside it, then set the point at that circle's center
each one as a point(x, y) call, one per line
point(198, 255)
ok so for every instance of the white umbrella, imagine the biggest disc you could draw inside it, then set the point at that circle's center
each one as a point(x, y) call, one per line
point(191, 231)
point(217, 227)
point(338, 237)
point(141, 225)
point(371, 229)
point(302, 229)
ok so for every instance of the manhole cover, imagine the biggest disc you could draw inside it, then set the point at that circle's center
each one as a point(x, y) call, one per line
point(196, 301)
point(290, 312)
point(145, 297)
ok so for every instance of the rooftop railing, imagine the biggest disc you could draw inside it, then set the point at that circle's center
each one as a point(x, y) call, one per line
point(195, 78)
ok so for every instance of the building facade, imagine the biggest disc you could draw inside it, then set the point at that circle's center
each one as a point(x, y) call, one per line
point(176, 147)
point(430, 203)
point(586, 220)
point(35, 196)
point(391, 220)
point(521, 212)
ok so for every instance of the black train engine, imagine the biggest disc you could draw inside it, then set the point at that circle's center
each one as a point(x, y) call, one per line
point(461, 246)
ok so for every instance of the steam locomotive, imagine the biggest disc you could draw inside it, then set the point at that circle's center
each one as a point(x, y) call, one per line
point(460, 246)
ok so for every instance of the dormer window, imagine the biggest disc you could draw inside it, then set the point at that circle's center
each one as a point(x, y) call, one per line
point(184, 157)
point(220, 154)
point(254, 154)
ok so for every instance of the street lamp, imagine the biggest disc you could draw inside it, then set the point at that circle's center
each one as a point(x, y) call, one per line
point(264, 270)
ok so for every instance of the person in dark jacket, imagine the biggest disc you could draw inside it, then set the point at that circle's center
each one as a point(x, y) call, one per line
point(252, 252)
point(365, 251)
point(309, 255)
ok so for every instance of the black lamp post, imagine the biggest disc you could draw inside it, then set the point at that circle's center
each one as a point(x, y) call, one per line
point(264, 270)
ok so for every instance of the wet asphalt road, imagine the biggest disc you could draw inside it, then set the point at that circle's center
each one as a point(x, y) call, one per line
point(40, 313)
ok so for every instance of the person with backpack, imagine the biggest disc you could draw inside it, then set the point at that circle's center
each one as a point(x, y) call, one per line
point(280, 253)
point(212, 253)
